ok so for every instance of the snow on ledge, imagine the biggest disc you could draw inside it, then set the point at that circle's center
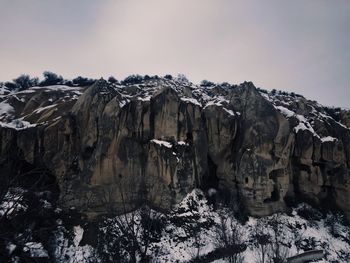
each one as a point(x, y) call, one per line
point(328, 139)
point(56, 88)
point(182, 143)
point(147, 98)
point(191, 100)
point(38, 110)
point(6, 108)
point(36, 249)
point(303, 122)
point(217, 101)
point(229, 111)
point(305, 126)
point(286, 112)
point(162, 143)
point(18, 124)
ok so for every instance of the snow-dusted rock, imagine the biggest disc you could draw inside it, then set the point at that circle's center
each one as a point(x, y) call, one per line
point(251, 145)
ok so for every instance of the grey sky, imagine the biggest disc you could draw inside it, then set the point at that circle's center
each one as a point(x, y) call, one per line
point(301, 46)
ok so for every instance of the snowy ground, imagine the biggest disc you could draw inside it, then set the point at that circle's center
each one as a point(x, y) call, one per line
point(191, 230)
point(300, 233)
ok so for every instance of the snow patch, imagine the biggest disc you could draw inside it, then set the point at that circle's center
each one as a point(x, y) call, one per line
point(229, 112)
point(191, 100)
point(38, 110)
point(6, 108)
point(36, 250)
point(328, 139)
point(78, 232)
point(162, 143)
point(217, 101)
point(286, 112)
point(18, 124)
point(147, 98)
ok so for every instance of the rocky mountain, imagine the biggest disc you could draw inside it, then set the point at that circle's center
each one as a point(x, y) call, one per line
point(110, 147)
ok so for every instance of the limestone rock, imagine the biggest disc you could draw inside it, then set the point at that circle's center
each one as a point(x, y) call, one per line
point(112, 147)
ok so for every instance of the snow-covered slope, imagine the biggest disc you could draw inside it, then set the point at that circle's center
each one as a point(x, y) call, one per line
point(36, 105)
point(193, 229)
point(308, 114)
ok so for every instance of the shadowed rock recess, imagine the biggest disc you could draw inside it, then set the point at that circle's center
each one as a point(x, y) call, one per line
point(111, 147)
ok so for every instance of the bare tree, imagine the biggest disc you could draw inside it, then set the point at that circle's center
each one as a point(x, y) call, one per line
point(137, 225)
point(280, 243)
point(228, 234)
point(198, 242)
point(24, 207)
point(262, 241)
point(271, 240)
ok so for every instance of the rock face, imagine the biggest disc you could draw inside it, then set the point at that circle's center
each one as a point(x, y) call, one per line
point(112, 147)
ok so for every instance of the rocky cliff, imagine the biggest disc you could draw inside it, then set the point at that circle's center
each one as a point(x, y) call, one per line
point(111, 147)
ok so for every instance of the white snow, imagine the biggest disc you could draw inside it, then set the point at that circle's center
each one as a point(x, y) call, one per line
point(286, 112)
point(56, 88)
point(216, 101)
point(18, 124)
point(6, 108)
point(147, 98)
point(4, 90)
point(292, 227)
point(328, 139)
point(27, 91)
point(303, 122)
point(266, 96)
point(16, 97)
point(300, 126)
point(304, 125)
point(162, 143)
point(12, 202)
point(36, 250)
point(10, 248)
point(78, 232)
point(123, 102)
point(191, 100)
point(38, 110)
point(229, 112)
point(65, 251)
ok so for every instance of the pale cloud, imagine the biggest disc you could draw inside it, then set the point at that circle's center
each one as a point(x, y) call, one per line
point(300, 46)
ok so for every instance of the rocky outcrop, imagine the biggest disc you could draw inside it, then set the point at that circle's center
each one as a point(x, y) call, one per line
point(114, 147)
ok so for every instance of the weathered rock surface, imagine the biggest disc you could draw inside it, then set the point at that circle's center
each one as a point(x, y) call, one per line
point(111, 147)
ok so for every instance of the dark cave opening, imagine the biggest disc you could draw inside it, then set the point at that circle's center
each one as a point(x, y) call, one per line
point(275, 195)
point(15, 171)
point(210, 180)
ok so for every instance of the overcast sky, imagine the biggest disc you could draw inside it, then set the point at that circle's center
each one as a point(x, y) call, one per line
point(301, 46)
